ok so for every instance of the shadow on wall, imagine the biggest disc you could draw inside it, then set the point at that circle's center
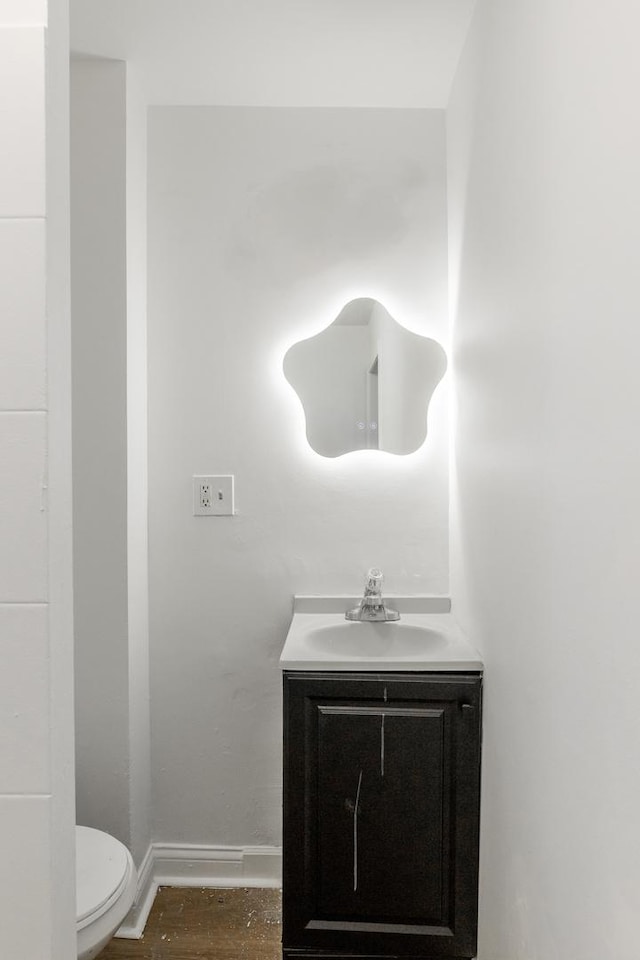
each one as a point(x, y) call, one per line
point(324, 216)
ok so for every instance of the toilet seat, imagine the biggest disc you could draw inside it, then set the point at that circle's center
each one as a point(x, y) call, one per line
point(103, 869)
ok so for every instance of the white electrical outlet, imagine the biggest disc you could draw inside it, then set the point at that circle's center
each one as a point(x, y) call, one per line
point(213, 496)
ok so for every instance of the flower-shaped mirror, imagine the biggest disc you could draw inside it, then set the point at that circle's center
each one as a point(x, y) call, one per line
point(365, 382)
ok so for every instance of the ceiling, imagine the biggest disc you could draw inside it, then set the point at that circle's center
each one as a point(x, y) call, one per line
point(307, 53)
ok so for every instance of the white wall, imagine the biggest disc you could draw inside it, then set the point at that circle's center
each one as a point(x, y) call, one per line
point(108, 167)
point(36, 691)
point(99, 317)
point(137, 478)
point(544, 152)
point(262, 225)
point(364, 53)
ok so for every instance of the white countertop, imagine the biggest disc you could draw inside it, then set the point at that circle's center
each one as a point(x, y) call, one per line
point(419, 641)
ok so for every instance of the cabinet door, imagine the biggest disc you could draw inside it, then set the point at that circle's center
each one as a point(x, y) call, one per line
point(381, 814)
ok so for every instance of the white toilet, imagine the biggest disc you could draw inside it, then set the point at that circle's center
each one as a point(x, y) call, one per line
point(106, 881)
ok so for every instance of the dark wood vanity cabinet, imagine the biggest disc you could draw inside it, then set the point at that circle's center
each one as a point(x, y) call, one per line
point(381, 815)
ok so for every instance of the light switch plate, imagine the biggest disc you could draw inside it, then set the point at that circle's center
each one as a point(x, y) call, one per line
point(213, 496)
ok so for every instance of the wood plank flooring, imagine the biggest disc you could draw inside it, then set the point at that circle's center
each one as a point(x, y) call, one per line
point(203, 924)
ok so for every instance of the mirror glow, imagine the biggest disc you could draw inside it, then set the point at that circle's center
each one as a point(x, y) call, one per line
point(365, 382)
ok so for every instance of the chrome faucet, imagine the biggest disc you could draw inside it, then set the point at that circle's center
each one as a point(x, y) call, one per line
point(372, 606)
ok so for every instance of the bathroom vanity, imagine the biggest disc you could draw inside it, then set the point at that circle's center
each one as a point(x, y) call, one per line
point(382, 732)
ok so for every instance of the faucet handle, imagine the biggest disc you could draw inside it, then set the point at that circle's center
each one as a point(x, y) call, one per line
point(372, 607)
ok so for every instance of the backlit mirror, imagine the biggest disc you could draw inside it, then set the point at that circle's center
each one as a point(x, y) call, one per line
point(365, 382)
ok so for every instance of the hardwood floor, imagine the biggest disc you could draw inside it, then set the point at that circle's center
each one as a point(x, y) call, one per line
point(204, 924)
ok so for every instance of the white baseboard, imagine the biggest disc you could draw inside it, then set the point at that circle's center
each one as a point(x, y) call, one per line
point(195, 865)
point(134, 923)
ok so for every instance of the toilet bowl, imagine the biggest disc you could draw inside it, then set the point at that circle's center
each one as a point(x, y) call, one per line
point(105, 889)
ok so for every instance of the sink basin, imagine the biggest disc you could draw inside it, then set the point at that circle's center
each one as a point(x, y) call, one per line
point(385, 640)
point(320, 639)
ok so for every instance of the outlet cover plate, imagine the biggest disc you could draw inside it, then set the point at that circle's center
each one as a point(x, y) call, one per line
point(213, 496)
